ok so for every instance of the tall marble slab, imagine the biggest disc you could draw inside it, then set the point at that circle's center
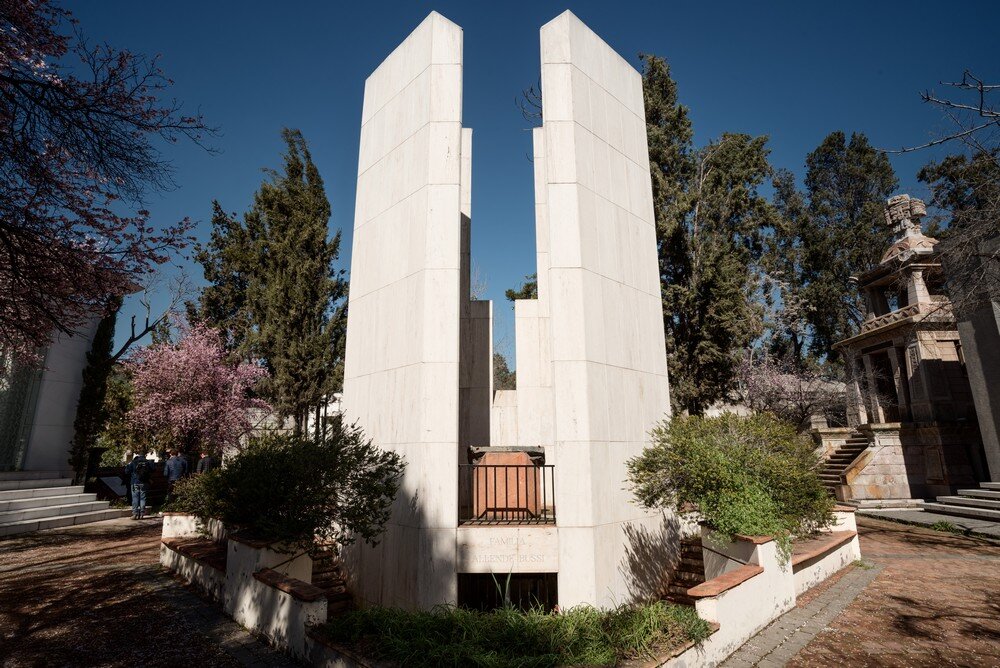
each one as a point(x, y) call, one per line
point(604, 316)
point(401, 376)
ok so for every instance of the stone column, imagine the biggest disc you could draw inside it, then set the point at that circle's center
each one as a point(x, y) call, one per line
point(916, 288)
point(878, 415)
point(902, 387)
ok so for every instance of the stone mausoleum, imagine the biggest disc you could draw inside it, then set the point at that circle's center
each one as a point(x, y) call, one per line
point(913, 431)
point(533, 487)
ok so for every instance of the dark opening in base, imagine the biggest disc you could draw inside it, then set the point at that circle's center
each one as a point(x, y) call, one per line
point(486, 591)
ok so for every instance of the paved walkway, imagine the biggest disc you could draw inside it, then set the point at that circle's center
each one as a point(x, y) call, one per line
point(94, 595)
point(927, 599)
point(963, 525)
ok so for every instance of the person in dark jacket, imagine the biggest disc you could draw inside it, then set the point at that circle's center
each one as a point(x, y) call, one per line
point(206, 463)
point(139, 471)
point(175, 469)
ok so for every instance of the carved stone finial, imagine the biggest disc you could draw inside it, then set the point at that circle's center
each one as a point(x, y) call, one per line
point(904, 211)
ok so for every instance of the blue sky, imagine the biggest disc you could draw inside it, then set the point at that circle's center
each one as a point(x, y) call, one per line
point(794, 71)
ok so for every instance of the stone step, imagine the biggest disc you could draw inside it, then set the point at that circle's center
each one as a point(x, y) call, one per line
point(688, 576)
point(962, 511)
point(990, 485)
point(970, 501)
point(980, 493)
point(698, 563)
point(40, 501)
point(18, 494)
point(51, 511)
point(830, 476)
point(34, 483)
point(30, 475)
point(25, 526)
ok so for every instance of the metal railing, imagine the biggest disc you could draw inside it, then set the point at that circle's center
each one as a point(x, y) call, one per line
point(506, 494)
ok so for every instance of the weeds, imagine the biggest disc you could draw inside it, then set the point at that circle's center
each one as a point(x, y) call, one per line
point(451, 636)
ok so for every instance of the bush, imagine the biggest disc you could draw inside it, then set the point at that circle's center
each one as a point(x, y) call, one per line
point(300, 491)
point(744, 475)
point(450, 636)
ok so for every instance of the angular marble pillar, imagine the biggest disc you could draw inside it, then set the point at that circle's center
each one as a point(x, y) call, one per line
point(401, 376)
point(602, 300)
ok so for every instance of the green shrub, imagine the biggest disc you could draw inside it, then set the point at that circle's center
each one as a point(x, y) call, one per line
point(450, 636)
point(744, 475)
point(300, 490)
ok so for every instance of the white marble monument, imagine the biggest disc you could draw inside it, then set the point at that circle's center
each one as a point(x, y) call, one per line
point(591, 361)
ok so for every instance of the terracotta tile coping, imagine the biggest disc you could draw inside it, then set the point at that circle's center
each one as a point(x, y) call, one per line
point(302, 591)
point(756, 540)
point(814, 547)
point(202, 550)
point(725, 582)
point(843, 509)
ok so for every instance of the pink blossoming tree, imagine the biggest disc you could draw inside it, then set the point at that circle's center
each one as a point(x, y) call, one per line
point(189, 393)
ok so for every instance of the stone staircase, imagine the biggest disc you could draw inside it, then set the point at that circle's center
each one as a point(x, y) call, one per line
point(328, 574)
point(690, 572)
point(980, 504)
point(834, 468)
point(34, 500)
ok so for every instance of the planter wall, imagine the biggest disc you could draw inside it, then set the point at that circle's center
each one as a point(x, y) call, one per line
point(262, 588)
point(743, 598)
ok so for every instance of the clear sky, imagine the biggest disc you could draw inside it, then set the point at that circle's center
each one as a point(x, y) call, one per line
point(794, 71)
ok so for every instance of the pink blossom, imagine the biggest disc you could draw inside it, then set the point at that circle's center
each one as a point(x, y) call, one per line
point(189, 391)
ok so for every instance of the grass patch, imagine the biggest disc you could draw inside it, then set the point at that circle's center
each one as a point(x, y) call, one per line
point(451, 636)
point(947, 526)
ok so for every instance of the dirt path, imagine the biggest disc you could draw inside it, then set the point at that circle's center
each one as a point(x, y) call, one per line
point(93, 595)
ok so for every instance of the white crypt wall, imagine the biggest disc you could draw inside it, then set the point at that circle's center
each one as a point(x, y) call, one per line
point(591, 361)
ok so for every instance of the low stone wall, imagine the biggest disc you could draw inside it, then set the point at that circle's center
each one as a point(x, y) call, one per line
point(211, 581)
point(749, 585)
point(264, 589)
point(827, 555)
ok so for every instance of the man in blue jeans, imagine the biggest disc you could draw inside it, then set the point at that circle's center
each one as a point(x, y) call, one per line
point(139, 470)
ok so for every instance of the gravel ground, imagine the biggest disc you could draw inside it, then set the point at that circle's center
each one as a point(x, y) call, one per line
point(92, 595)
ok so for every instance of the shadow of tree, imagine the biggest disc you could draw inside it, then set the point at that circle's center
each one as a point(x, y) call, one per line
point(651, 557)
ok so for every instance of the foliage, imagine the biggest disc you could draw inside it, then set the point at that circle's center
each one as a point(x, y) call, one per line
point(582, 636)
point(503, 377)
point(273, 288)
point(824, 237)
point(528, 290)
point(119, 436)
point(91, 411)
point(300, 490)
point(78, 149)
point(967, 189)
point(791, 392)
point(709, 220)
point(188, 392)
point(746, 475)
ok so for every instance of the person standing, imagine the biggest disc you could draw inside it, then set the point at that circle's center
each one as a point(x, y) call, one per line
point(206, 463)
point(139, 471)
point(175, 469)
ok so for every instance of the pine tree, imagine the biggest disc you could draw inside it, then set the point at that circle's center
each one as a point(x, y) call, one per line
point(227, 261)
point(832, 232)
point(709, 220)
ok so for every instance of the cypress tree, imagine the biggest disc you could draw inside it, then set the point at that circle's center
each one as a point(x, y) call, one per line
point(709, 220)
point(91, 412)
point(274, 288)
